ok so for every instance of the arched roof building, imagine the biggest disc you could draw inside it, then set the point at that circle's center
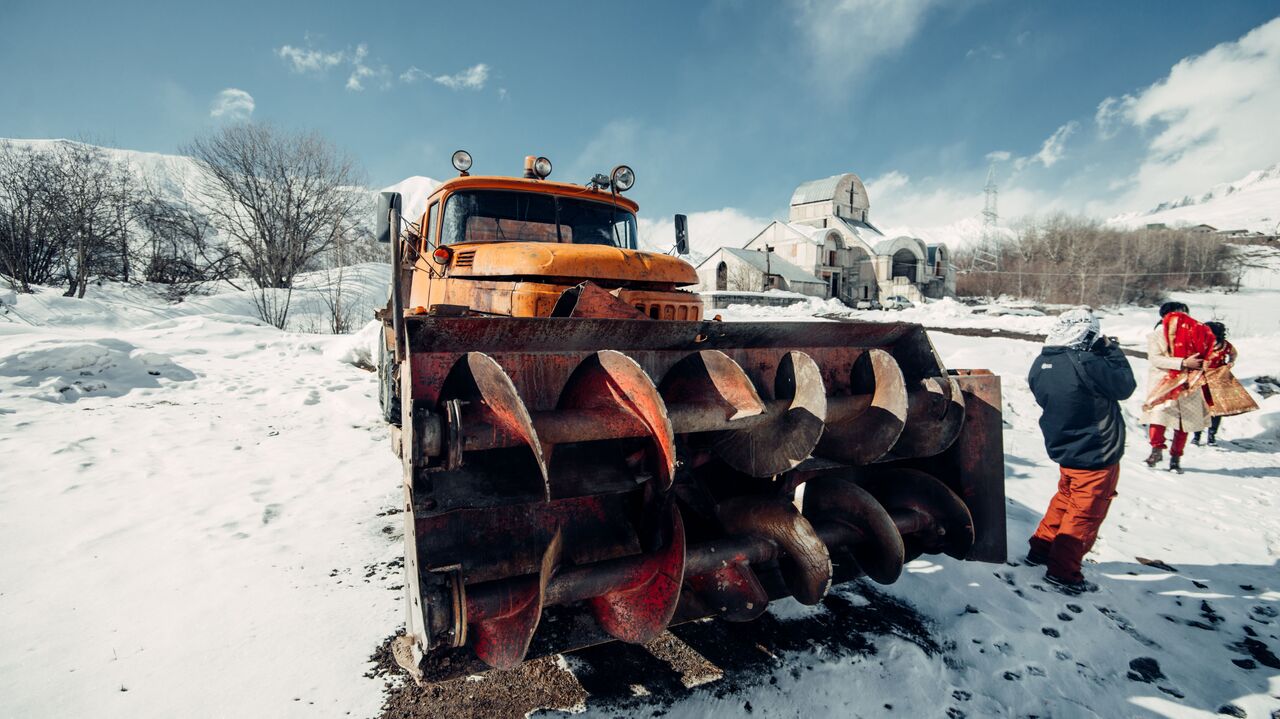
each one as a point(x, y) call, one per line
point(829, 232)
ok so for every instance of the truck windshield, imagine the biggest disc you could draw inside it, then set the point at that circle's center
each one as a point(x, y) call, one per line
point(511, 216)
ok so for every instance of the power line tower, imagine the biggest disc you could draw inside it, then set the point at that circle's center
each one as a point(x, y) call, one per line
point(986, 256)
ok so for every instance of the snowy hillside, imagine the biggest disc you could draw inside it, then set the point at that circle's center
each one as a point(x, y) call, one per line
point(177, 177)
point(1250, 203)
point(174, 176)
point(414, 192)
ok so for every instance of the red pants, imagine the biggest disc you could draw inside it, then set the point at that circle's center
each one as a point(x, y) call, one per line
point(1071, 523)
point(1157, 439)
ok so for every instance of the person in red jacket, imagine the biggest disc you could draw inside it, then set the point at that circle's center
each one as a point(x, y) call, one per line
point(1183, 411)
point(1224, 355)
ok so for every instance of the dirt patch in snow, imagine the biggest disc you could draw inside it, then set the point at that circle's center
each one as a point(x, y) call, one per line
point(719, 658)
point(540, 684)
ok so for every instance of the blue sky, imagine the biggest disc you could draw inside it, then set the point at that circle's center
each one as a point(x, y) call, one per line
point(719, 107)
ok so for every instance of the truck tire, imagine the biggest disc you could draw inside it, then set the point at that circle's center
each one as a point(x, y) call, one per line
point(388, 388)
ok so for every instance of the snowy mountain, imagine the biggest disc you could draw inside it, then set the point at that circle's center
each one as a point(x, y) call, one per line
point(414, 192)
point(1250, 203)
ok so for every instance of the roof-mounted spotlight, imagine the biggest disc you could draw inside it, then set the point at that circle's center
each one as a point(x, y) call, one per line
point(542, 167)
point(462, 161)
point(623, 178)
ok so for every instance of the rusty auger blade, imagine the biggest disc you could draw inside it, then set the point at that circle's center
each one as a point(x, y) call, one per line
point(805, 560)
point(879, 551)
point(711, 379)
point(868, 434)
point(785, 438)
point(618, 390)
point(502, 639)
point(935, 416)
point(641, 606)
point(899, 490)
point(731, 590)
point(481, 383)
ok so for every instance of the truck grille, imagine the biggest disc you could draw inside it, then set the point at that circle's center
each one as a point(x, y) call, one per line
point(465, 259)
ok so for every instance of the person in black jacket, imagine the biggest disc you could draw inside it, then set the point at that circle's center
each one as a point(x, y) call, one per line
point(1078, 379)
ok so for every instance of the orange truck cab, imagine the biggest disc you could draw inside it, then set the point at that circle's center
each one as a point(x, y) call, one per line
point(512, 247)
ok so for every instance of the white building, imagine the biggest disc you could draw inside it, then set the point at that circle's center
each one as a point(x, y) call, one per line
point(830, 238)
point(730, 269)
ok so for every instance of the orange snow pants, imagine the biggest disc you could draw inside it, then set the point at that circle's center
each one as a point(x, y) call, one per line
point(1071, 523)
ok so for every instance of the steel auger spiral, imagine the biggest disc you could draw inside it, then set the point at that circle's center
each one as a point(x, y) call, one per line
point(572, 481)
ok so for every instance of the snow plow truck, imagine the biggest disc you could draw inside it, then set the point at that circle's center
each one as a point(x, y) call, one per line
point(588, 458)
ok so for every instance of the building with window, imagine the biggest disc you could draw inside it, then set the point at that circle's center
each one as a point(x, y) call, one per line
point(731, 269)
point(829, 236)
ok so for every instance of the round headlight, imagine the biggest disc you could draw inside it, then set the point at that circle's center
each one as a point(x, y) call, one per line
point(442, 255)
point(623, 178)
point(542, 166)
point(462, 160)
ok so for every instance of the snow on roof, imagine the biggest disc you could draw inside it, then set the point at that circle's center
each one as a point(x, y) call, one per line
point(776, 265)
point(813, 234)
point(864, 231)
point(816, 190)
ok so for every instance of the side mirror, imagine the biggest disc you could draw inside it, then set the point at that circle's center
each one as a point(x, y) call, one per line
point(388, 202)
point(682, 234)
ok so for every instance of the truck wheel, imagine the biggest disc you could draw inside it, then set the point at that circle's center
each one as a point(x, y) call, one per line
point(388, 388)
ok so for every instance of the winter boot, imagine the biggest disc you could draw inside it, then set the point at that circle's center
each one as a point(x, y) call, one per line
point(1068, 587)
point(1213, 437)
point(1154, 458)
point(1175, 464)
point(1195, 439)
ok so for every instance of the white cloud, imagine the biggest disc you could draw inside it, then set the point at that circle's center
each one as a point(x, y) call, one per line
point(304, 60)
point(360, 71)
point(887, 183)
point(233, 104)
point(472, 78)
point(999, 156)
point(847, 36)
point(949, 208)
point(1111, 115)
point(984, 51)
point(412, 75)
point(708, 231)
point(1052, 150)
point(1213, 118)
point(309, 60)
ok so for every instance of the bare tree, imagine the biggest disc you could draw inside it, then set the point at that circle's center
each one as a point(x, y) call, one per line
point(30, 249)
point(280, 200)
point(94, 197)
point(180, 248)
point(1063, 259)
point(744, 278)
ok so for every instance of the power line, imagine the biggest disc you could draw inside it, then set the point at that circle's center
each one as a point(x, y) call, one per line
point(1098, 274)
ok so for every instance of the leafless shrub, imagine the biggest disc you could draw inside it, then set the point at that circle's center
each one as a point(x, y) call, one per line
point(67, 212)
point(1062, 259)
point(29, 218)
point(279, 200)
point(180, 249)
point(741, 277)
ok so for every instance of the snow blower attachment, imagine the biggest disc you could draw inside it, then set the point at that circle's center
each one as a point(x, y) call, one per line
point(559, 494)
point(586, 459)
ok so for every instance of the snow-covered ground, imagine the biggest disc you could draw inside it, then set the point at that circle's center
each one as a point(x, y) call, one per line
point(192, 525)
